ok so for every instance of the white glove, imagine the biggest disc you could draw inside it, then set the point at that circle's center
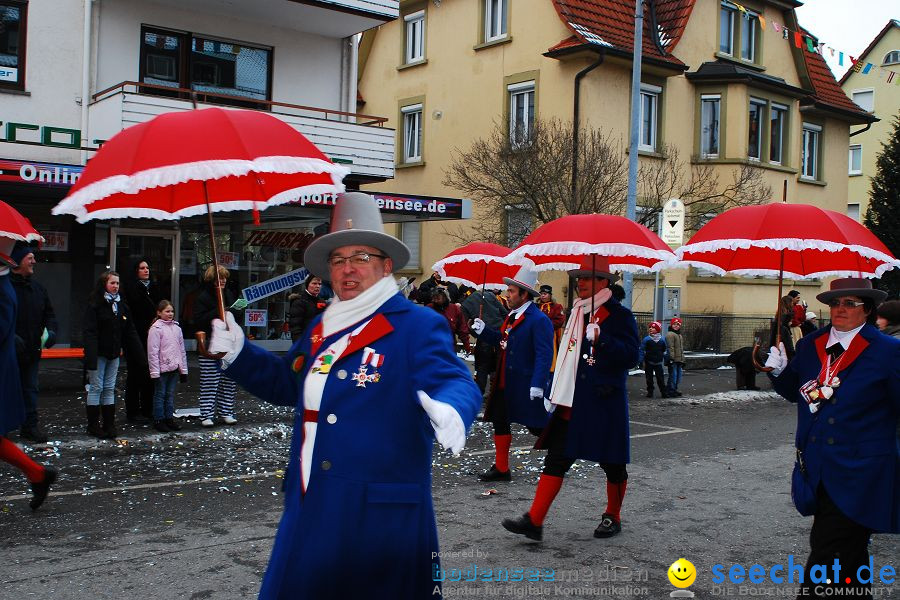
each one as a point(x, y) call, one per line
point(228, 339)
point(777, 359)
point(592, 332)
point(477, 326)
point(548, 406)
point(536, 393)
point(448, 425)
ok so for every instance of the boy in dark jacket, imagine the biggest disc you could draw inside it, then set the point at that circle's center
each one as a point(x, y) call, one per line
point(653, 355)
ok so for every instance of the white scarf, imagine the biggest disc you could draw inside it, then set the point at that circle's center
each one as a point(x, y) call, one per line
point(342, 314)
point(562, 391)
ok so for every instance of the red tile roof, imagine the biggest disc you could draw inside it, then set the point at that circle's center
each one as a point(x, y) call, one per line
point(610, 23)
point(825, 86)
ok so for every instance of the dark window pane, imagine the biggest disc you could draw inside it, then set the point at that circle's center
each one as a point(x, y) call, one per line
point(229, 68)
point(11, 50)
point(161, 59)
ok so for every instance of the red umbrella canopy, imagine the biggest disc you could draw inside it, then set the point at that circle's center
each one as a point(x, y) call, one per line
point(477, 264)
point(244, 159)
point(561, 243)
point(749, 240)
point(16, 227)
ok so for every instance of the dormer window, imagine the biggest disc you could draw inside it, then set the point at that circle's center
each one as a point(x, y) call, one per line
point(739, 32)
point(891, 58)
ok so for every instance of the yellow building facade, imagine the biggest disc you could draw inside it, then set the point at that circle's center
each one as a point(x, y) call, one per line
point(715, 80)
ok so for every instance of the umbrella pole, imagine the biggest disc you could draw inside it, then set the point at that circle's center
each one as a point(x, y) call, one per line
point(483, 284)
point(201, 335)
point(756, 345)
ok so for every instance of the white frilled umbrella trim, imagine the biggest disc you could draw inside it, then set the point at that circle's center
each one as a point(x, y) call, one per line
point(879, 271)
point(472, 258)
point(196, 171)
point(285, 197)
point(497, 287)
point(581, 249)
point(28, 237)
point(793, 244)
point(630, 268)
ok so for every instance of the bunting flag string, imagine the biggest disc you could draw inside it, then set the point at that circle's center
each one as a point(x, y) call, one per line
point(809, 44)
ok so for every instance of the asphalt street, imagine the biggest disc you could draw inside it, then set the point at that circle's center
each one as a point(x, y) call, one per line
point(193, 514)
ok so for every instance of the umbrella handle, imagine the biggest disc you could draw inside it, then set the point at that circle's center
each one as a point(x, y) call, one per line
point(201, 347)
point(756, 365)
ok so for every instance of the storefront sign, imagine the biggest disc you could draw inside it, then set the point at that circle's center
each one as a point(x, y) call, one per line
point(399, 204)
point(279, 239)
point(9, 74)
point(230, 260)
point(275, 285)
point(256, 318)
point(17, 171)
point(55, 241)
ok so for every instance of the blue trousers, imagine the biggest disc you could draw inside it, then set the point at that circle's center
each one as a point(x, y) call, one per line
point(676, 370)
point(102, 382)
point(164, 396)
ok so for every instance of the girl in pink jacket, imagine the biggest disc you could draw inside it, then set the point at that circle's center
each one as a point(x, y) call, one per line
point(168, 364)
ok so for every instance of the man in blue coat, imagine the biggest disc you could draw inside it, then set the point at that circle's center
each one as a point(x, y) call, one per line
point(589, 400)
point(525, 341)
point(845, 380)
point(374, 380)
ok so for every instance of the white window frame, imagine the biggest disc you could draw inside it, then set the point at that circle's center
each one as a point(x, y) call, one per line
point(411, 235)
point(731, 11)
point(414, 24)
point(773, 108)
point(412, 133)
point(750, 21)
point(855, 93)
point(891, 58)
point(652, 94)
point(809, 169)
point(852, 212)
point(850, 169)
point(761, 118)
point(704, 149)
point(519, 92)
point(500, 10)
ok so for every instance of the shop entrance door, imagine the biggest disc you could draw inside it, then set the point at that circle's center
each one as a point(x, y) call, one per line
point(157, 247)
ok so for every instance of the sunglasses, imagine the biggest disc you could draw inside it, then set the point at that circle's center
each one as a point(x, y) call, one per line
point(834, 303)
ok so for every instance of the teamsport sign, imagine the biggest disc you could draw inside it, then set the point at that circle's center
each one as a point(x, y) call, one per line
point(431, 207)
point(272, 286)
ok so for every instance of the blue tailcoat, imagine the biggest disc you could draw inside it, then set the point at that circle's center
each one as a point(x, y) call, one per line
point(12, 407)
point(365, 528)
point(850, 445)
point(529, 355)
point(598, 426)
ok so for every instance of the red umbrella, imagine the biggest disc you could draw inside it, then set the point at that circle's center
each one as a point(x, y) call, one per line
point(561, 243)
point(477, 264)
point(796, 240)
point(16, 228)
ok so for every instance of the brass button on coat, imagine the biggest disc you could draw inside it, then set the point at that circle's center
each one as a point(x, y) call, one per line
point(326, 464)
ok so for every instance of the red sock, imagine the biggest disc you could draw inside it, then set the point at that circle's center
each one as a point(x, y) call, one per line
point(14, 456)
point(501, 446)
point(615, 494)
point(548, 487)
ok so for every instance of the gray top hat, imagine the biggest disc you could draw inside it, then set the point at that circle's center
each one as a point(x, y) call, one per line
point(355, 221)
point(526, 279)
point(852, 286)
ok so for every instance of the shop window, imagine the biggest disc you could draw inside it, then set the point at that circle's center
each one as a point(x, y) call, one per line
point(412, 133)
point(496, 15)
point(754, 129)
point(855, 159)
point(853, 211)
point(709, 125)
point(13, 20)
point(521, 112)
point(809, 155)
point(891, 58)
point(411, 235)
point(777, 129)
point(415, 37)
point(203, 64)
point(865, 99)
point(649, 117)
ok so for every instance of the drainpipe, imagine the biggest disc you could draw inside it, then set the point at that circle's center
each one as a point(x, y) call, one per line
point(863, 130)
point(86, 75)
point(348, 75)
point(575, 118)
point(354, 74)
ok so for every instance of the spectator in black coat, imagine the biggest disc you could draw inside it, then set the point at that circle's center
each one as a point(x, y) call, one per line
point(429, 285)
point(142, 295)
point(35, 314)
point(486, 307)
point(305, 305)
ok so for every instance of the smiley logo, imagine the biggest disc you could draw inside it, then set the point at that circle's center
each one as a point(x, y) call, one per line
point(682, 573)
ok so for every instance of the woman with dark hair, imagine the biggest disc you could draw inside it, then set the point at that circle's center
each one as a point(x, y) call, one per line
point(108, 329)
point(786, 315)
point(216, 391)
point(305, 305)
point(888, 318)
point(142, 296)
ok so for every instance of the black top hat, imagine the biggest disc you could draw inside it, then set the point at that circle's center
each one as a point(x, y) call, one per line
point(546, 288)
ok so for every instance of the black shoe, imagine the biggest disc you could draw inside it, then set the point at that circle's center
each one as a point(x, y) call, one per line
point(34, 433)
point(524, 526)
point(172, 424)
point(137, 419)
point(608, 527)
point(493, 474)
point(161, 426)
point(42, 488)
point(650, 394)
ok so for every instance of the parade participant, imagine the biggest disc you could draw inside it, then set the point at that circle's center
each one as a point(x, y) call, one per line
point(373, 381)
point(589, 400)
point(554, 310)
point(675, 360)
point(440, 302)
point(653, 355)
point(845, 380)
point(523, 369)
point(485, 306)
point(12, 411)
point(142, 296)
point(35, 317)
point(798, 316)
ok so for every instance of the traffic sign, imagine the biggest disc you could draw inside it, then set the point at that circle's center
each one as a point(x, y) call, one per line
point(673, 222)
